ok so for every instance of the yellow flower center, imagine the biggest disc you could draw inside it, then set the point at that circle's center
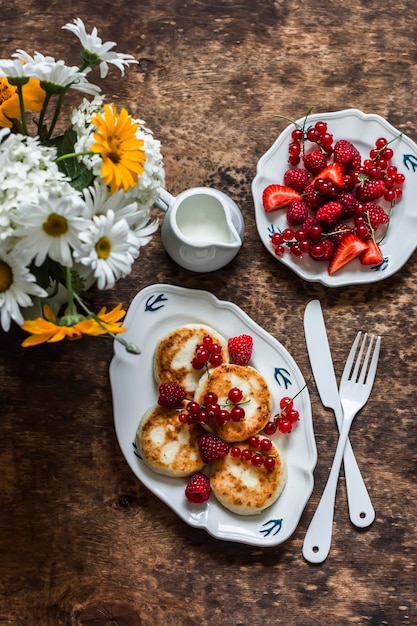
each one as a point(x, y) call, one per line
point(6, 91)
point(103, 248)
point(56, 225)
point(115, 150)
point(6, 276)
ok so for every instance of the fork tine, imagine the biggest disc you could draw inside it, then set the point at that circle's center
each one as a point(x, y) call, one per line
point(374, 363)
point(358, 361)
point(364, 371)
point(349, 363)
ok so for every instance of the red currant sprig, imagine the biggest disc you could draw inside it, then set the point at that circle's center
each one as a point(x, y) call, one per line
point(195, 413)
point(208, 353)
point(284, 420)
point(256, 452)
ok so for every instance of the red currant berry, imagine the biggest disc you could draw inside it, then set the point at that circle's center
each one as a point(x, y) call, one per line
point(202, 417)
point(212, 411)
point(293, 415)
point(223, 417)
point(257, 460)
point(277, 239)
point(270, 462)
point(380, 143)
point(235, 451)
point(197, 365)
point(183, 417)
point(246, 455)
point(284, 425)
point(270, 428)
point(294, 149)
point(294, 160)
point(235, 395)
point(297, 134)
point(253, 442)
point(202, 355)
point(315, 232)
point(288, 234)
point(321, 127)
point(210, 398)
point(313, 135)
point(215, 360)
point(295, 249)
point(286, 403)
point(207, 342)
point(279, 251)
point(265, 444)
point(237, 413)
point(192, 407)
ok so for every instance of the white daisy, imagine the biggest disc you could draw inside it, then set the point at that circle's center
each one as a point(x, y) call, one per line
point(108, 249)
point(50, 228)
point(15, 69)
point(95, 52)
point(17, 284)
point(55, 75)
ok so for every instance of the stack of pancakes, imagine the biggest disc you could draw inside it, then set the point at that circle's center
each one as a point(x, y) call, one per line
point(170, 447)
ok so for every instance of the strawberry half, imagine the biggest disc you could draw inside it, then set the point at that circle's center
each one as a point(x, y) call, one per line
point(372, 255)
point(332, 172)
point(349, 248)
point(278, 196)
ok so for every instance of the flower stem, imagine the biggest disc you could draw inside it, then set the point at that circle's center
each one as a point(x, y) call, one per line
point(22, 109)
point(56, 114)
point(71, 155)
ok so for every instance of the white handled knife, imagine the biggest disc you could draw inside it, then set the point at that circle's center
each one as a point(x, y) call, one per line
point(361, 511)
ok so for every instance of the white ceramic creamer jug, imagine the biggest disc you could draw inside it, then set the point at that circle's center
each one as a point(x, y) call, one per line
point(203, 228)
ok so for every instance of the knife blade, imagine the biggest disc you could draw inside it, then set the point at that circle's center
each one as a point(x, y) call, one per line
point(361, 511)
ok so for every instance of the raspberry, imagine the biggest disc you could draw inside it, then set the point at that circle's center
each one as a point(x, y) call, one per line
point(346, 155)
point(339, 231)
point(329, 213)
point(376, 214)
point(322, 250)
point(297, 178)
point(297, 213)
point(349, 204)
point(198, 488)
point(313, 199)
point(240, 349)
point(315, 161)
point(212, 448)
point(370, 190)
point(171, 394)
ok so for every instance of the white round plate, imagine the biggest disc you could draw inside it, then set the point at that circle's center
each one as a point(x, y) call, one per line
point(362, 130)
point(155, 311)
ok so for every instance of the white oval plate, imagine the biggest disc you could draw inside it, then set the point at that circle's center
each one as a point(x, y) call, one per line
point(156, 310)
point(362, 130)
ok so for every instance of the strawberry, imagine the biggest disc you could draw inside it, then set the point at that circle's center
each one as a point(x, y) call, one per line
point(346, 155)
point(297, 213)
point(370, 190)
point(315, 161)
point(171, 394)
point(332, 172)
point(329, 213)
point(297, 178)
point(240, 349)
point(372, 255)
point(212, 447)
point(278, 196)
point(349, 248)
point(198, 488)
point(376, 214)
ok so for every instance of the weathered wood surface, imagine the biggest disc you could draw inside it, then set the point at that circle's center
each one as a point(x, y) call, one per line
point(82, 542)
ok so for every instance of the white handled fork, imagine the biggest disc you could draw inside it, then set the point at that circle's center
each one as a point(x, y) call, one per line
point(355, 387)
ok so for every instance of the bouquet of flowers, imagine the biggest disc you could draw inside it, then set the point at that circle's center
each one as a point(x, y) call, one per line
point(74, 206)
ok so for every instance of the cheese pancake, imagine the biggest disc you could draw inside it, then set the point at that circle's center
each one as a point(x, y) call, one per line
point(175, 351)
point(256, 401)
point(244, 488)
point(168, 446)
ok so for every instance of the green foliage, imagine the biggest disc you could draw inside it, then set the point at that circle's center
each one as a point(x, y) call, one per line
point(80, 176)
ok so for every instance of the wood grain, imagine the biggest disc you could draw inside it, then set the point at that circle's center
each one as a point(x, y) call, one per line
point(82, 542)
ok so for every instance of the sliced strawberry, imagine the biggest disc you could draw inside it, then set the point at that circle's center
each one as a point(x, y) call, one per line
point(372, 255)
point(349, 248)
point(279, 196)
point(332, 172)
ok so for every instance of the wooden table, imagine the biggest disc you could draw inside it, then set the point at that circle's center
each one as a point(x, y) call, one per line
point(82, 541)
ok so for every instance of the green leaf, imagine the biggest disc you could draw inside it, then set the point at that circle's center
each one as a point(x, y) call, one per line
point(80, 176)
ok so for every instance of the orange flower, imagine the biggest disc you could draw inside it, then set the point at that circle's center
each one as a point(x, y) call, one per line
point(33, 98)
point(119, 148)
point(50, 329)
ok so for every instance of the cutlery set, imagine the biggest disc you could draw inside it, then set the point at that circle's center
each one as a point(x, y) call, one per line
point(353, 393)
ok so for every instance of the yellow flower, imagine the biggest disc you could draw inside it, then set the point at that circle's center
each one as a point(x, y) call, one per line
point(33, 98)
point(49, 330)
point(119, 148)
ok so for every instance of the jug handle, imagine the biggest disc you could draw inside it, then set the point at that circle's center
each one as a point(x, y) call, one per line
point(165, 200)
